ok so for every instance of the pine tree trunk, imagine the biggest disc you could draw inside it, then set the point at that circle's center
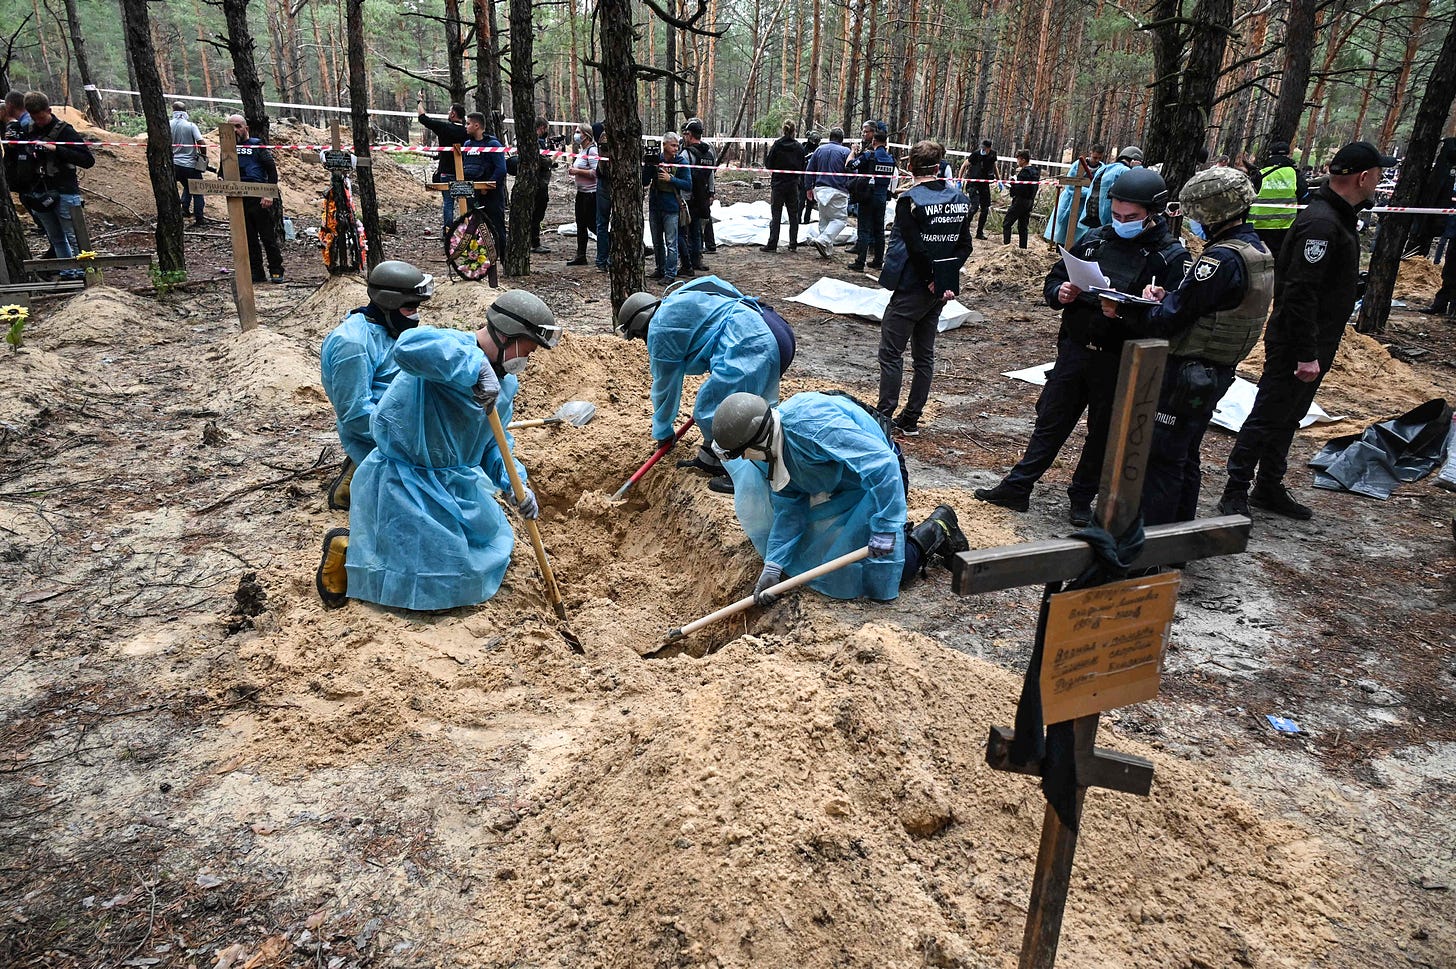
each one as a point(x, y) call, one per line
point(1415, 170)
point(669, 90)
point(359, 125)
point(532, 170)
point(1299, 34)
point(811, 92)
point(575, 61)
point(245, 67)
point(14, 248)
point(849, 77)
point(865, 90)
point(94, 107)
point(455, 56)
point(137, 25)
point(624, 144)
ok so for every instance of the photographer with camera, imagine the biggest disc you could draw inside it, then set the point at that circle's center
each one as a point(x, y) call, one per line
point(665, 176)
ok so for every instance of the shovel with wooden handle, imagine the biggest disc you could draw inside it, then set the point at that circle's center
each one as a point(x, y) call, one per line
point(803, 578)
point(548, 578)
point(577, 413)
point(657, 456)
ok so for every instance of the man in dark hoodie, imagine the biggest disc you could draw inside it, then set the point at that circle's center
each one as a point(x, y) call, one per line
point(787, 156)
point(44, 175)
point(1133, 249)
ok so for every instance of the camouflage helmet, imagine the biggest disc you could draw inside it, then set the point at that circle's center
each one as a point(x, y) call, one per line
point(1216, 195)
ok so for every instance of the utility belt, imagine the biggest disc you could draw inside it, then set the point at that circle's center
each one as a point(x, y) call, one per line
point(1192, 387)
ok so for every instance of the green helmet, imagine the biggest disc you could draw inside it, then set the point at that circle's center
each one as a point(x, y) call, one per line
point(519, 313)
point(395, 283)
point(1132, 153)
point(742, 421)
point(1141, 186)
point(636, 312)
point(1217, 195)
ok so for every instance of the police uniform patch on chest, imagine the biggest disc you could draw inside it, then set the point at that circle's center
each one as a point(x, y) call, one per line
point(1204, 269)
point(1315, 249)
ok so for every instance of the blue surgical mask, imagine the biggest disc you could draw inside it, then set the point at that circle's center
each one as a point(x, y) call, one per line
point(1128, 230)
point(1196, 227)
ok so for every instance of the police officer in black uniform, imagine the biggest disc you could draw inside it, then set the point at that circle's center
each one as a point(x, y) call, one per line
point(1212, 320)
point(1133, 250)
point(1023, 198)
point(980, 165)
point(929, 244)
point(1316, 274)
point(255, 164)
point(806, 181)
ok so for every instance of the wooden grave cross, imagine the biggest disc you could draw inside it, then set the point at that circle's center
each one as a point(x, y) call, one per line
point(462, 192)
point(1102, 646)
point(337, 158)
point(1074, 214)
point(236, 190)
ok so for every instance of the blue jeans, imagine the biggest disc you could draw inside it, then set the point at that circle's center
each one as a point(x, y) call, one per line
point(664, 242)
point(58, 227)
point(604, 217)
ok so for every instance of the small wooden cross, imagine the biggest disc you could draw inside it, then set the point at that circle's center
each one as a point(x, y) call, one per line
point(1075, 186)
point(1114, 662)
point(460, 190)
point(236, 190)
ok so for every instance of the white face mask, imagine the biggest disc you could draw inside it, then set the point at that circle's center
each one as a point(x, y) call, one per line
point(754, 454)
point(412, 317)
point(515, 365)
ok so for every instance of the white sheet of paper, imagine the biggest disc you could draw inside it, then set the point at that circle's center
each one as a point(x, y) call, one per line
point(1081, 273)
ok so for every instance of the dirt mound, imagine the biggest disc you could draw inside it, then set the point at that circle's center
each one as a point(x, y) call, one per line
point(262, 366)
point(1418, 278)
point(1365, 384)
point(103, 316)
point(456, 304)
point(993, 268)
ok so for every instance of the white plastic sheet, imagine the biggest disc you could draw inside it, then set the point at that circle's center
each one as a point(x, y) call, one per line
point(1230, 413)
point(837, 296)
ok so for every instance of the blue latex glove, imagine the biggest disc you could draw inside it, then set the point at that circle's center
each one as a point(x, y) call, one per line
point(527, 507)
point(881, 544)
point(771, 575)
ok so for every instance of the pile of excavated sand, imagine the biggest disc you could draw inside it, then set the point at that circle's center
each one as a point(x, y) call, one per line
point(1418, 279)
point(996, 268)
point(456, 304)
point(1366, 384)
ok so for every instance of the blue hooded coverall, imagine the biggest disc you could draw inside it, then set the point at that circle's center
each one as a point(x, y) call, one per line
point(696, 330)
point(844, 485)
point(356, 365)
point(425, 529)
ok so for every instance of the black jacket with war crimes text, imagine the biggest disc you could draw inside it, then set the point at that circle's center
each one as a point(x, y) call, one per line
point(931, 239)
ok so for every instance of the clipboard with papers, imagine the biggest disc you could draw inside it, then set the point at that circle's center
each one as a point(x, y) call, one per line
point(1087, 276)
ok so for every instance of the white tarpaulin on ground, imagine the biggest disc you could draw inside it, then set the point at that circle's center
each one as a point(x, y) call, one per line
point(746, 224)
point(1229, 414)
point(837, 296)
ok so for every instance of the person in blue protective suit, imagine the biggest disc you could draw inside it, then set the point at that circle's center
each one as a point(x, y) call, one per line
point(1098, 210)
point(707, 326)
point(356, 362)
point(818, 478)
point(426, 532)
point(1211, 320)
point(1086, 166)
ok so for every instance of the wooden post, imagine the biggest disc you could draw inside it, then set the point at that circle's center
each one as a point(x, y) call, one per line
point(1074, 215)
point(1129, 445)
point(227, 167)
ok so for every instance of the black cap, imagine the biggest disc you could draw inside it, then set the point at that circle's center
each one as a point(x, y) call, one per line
point(1358, 156)
point(695, 126)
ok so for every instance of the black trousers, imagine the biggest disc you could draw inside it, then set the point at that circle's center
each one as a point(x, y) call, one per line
point(1082, 379)
point(983, 200)
point(262, 240)
point(492, 204)
point(538, 210)
point(185, 177)
point(1263, 443)
point(784, 197)
point(1175, 471)
point(1018, 215)
point(586, 220)
point(807, 200)
point(911, 317)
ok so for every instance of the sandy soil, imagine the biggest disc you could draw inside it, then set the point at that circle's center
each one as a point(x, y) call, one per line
point(203, 767)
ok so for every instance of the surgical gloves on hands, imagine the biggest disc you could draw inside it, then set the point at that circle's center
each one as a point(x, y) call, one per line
point(771, 575)
point(881, 544)
point(487, 387)
point(527, 507)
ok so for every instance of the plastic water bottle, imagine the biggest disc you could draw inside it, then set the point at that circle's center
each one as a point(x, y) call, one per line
point(288, 233)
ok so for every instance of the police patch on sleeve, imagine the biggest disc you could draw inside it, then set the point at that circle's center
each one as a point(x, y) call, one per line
point(1204, 269)
point(1315, 249)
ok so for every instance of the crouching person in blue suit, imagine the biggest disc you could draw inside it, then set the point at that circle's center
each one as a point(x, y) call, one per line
point(426, 531)
point(820, 477)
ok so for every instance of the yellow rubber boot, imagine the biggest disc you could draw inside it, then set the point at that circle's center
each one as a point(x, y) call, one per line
point(339, 487)
point(331, 579)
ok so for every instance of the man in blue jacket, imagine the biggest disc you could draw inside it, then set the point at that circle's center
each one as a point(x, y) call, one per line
point(487, 166)
point(665, 176)
point(874, 159)
point(830, 191)
point(255, 164)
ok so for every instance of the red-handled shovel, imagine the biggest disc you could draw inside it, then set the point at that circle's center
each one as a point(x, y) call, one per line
point(656, 457)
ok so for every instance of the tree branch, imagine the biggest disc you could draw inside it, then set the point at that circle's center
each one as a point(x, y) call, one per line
point(1252, 82)
point(1190, 23)
point(1252, 57)
point(689, 24)
point(442, 85)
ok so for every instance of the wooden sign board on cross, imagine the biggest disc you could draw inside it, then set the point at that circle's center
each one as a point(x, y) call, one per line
point(1101, 646)
point(93, 264)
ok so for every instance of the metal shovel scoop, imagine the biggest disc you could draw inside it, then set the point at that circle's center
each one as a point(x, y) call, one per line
point(577, 413)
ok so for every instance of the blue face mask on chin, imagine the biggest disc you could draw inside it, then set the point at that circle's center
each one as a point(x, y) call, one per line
point(1128, 230)
point(1196, 227)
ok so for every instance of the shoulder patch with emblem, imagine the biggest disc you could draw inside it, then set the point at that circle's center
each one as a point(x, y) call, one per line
point(1204, 268)
point(1315, 249)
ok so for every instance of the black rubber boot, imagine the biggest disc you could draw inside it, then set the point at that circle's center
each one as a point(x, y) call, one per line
point(939, 535)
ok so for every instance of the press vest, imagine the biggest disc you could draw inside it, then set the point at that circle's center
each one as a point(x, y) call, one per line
point(1226, 337)
point(250, 161)
point(939, 214)
point(1280, 186)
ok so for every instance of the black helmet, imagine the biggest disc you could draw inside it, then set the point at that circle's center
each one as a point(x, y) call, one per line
point(742, 421)
point(812, 138)
point(1141, 186)
point(519, 313)
point(395, 283)
point(636, 312)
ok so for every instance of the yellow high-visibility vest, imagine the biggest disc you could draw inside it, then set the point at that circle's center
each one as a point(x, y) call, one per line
point(1279, 187)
